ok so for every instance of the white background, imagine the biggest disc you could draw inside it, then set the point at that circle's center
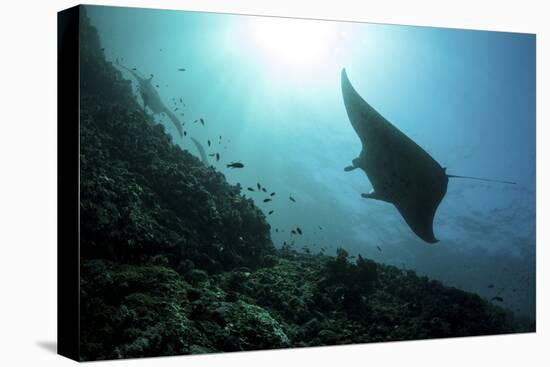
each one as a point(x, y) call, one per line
point(28, 183)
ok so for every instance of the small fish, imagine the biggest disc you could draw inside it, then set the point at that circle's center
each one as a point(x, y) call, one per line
point(321, 228)
point(259, 187)
point(250, 189)
point(292, 199)
point(299, 230)
point(491, 286)
point(263, 189)
point(267, 200)
point(270, 212)
point(181, 101)
point(293, 232)
point(497, 298)
point(185, 133)
point(195, 121)
point(134, 69)
point(157, 86)
point(181, 69)
point(202, 121)
point(211, 155)
point(175, 109)
point(235, 165)
point(182, 114)
point(272, 194)
point(217, 157)
point(209, 143)
point(277, 230)
point(379, 249)
point(103, 49)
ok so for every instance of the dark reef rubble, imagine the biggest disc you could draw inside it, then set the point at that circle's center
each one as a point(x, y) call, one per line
point(174, 260)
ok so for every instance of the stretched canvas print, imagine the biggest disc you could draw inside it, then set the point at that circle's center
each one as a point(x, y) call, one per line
point(236, 183)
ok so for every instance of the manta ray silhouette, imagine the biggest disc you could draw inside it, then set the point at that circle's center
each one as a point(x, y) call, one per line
point(151, 98)
point(400, 171)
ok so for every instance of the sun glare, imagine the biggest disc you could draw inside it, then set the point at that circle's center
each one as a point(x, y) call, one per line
point(293, 43)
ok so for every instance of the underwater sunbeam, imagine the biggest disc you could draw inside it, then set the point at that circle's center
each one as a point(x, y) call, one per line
point(293, 44)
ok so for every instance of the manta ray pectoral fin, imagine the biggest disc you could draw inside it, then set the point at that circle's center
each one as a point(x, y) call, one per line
point(350, 168)
point(202, 153)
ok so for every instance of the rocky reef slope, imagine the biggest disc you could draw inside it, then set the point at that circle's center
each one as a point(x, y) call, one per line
point(174, 260)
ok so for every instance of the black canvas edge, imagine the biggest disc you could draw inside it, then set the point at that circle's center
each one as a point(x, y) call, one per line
point(68, 180)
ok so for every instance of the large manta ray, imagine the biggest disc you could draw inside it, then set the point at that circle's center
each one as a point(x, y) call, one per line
point(400, 171)
point(151, 98)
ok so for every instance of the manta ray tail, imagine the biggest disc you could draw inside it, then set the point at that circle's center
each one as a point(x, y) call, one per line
point(482, 179)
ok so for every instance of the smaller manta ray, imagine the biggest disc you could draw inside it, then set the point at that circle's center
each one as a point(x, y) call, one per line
point(151, 98)
point(400, 171)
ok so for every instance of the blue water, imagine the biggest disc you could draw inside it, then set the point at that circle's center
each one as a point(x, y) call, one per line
point(270, 88)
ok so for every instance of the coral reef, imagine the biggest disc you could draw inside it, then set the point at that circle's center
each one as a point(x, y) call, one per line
point(174, 260)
